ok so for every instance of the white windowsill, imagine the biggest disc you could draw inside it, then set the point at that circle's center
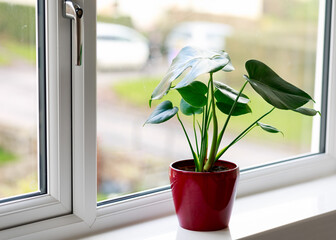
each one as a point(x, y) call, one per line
point(272, 213)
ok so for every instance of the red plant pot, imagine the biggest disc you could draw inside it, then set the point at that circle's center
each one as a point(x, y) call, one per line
point(203, 200)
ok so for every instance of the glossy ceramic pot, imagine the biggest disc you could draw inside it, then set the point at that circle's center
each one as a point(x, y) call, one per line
point(203, 201)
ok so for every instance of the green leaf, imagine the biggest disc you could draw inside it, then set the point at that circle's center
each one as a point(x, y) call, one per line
point(200, 62)
point(272, 88)
point(240, 108)
point(268, 128)
point(194, 93)
point(188, 110)
point(226, 97)
point(307, 111)
point(228, 92)
point(163, 112)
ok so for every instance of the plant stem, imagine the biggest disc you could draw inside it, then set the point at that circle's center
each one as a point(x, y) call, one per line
point(238, 139)
point(204, 132)
point(240, 136)
point(209, 121)
point(196, 142)
point(196, 160)
point(202, 148)
point(213, 150)
point(229, 116)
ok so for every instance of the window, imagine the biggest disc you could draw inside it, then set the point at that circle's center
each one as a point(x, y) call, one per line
point(133, 158)
point(38, 123)
point(19, 138)
point(74, 171)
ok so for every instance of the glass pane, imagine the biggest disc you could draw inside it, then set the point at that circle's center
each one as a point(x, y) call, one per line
point(136, 42)
point(18, 99)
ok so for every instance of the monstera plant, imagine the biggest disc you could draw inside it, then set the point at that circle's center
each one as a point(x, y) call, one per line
point(212, 97)
point(203, 188)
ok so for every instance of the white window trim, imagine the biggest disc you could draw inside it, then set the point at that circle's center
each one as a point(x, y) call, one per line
point(86, 218)
point(84, 121)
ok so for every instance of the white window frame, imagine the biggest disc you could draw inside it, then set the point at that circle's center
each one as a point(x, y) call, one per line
point(85, 217)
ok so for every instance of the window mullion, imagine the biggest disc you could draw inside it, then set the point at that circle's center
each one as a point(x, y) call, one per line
point(84, 119)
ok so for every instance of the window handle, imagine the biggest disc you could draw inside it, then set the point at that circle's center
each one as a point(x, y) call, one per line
point(75, 12)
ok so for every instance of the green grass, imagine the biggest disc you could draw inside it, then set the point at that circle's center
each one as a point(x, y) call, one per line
point(11, 51)
point(6, 156)
point(17, 22)
point(24, 51)
point(122, 20)
point(136, 91)
point(296, 127)
point(101, 197)
point(3, 60)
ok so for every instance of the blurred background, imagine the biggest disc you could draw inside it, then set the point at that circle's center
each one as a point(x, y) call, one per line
point(136, 42)
point(18, 99)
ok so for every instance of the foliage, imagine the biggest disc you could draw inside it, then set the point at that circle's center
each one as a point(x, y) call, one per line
point(24, 51)
point(122, 20)
point(6, 156)
point(101, 197)
point(17, 33)
point(134, 92)
point(292, 10)
point(214, 97)
point(11, 51)
point(3, 60)
point(17, 22)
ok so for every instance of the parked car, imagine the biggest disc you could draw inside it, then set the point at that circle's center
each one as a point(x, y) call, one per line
point(199, 34)
point(120, 48)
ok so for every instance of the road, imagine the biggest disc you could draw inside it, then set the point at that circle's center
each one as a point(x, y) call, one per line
point(18, 95)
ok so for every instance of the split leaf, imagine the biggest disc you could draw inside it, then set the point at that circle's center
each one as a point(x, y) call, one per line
point(200, 62)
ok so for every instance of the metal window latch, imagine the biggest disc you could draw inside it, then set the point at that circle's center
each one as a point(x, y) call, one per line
point(75, 12)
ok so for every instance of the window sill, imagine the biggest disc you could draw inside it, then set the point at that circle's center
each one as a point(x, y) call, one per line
point(301, 210)
point(265, 215)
